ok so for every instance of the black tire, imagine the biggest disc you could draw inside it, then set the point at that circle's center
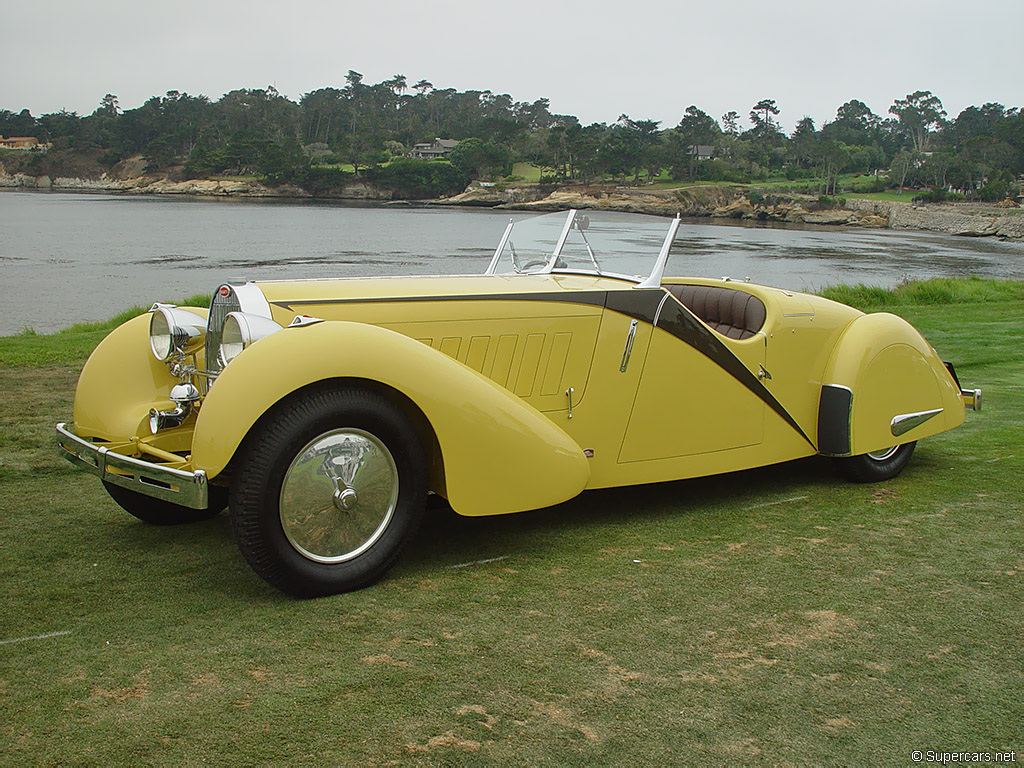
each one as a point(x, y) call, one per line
point(876, 467)
point(160, 512)
point(289, 512)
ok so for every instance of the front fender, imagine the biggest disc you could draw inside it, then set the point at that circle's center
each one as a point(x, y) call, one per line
point(883, 369)
point(120, 382)
point(499, 453)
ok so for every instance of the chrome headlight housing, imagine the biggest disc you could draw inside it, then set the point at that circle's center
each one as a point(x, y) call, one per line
point(173, 330)
point(241, 329)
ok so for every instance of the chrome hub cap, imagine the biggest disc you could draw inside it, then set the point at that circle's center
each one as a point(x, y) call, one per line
point(345, 499)
point(884, 454)
point(339, 495)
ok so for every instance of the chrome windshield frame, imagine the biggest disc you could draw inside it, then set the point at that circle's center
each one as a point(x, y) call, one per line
point(570, 219)
point(501, 247)
point(653, 280)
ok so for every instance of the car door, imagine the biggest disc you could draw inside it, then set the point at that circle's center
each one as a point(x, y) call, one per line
point(699, 392)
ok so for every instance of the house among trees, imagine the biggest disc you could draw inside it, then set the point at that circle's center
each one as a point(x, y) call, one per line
point(21, 142)
point(433, 149)
point(702, 151)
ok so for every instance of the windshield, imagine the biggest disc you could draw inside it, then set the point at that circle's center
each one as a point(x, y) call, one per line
point(598, 242)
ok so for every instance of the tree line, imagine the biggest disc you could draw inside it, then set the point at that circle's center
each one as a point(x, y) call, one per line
point(333, 136)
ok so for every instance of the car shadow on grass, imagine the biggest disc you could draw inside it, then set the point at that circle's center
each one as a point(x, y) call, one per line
point(203, 556)
point(448, 540)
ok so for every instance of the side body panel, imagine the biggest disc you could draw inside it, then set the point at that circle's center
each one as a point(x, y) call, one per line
point(500, 454)
point(698, 407)
point(687, 404)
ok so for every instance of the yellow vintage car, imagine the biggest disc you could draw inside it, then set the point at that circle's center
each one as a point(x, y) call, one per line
point(323, 412)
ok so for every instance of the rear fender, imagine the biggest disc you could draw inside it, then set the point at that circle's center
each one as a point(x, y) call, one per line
point(499, 453)
point(884, 385)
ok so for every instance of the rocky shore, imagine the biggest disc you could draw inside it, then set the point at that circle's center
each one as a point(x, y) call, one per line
point(730, 202)
point(716, 202)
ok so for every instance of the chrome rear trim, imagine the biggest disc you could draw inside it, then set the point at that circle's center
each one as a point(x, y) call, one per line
point(905, 422)
point(971, 398)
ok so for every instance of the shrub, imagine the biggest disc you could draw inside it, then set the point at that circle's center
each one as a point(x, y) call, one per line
point(996, 190)
point(872, 184)
point(794, 172)
point(937, 195)
point(319, 180)
point(411, 179)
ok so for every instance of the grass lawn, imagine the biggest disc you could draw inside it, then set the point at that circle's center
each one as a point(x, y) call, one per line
point(890, 195)
point(528, 171)
point(776, 616)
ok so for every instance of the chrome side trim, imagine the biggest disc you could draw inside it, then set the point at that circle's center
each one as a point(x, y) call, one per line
point(178, 486)
point(904, 422)
point(661, 305)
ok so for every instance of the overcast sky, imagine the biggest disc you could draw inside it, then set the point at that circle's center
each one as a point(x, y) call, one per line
point(649, 59)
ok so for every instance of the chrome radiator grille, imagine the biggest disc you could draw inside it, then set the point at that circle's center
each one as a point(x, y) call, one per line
point(225, 300)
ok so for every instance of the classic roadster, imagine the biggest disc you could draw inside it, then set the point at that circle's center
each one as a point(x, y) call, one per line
point(323, 412)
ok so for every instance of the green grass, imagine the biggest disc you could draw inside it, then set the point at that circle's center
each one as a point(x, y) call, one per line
point(776, 616)
point(347, 167)
point(528, 171)
point(890, 195)
point(937, 291)
point(72, 345)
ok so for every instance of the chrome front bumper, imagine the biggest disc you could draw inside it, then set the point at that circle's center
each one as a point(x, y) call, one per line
point(187, 489)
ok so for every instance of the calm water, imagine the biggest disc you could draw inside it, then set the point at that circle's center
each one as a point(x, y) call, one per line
point(71, 257)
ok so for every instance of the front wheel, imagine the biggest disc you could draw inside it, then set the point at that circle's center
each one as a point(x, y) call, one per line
point(328, 490)
point(878, 466)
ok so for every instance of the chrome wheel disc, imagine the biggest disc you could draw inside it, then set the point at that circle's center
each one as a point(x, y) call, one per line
point(339, 495)
point(885, 454)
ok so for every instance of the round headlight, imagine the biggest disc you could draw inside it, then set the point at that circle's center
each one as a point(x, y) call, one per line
point(241, 329)
point(232, 341)
point(160, 336)
point(172, 329)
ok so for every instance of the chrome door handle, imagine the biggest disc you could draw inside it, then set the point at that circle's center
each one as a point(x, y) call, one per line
point(629, 347)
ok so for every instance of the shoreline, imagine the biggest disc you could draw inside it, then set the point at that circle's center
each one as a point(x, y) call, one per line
point(714, 202)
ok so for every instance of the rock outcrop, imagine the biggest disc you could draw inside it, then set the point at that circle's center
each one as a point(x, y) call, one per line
point(965, 219)
point(495, 195)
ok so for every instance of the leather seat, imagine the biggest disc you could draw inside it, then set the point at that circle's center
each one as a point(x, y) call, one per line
point(735, 314)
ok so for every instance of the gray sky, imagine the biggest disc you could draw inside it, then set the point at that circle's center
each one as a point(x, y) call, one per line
point(649, 59)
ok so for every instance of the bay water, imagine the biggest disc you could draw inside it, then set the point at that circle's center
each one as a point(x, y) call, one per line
point(66, 257)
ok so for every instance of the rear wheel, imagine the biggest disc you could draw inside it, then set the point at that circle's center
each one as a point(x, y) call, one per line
point(160, 512)
point(327, 491)
point(879, 465)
